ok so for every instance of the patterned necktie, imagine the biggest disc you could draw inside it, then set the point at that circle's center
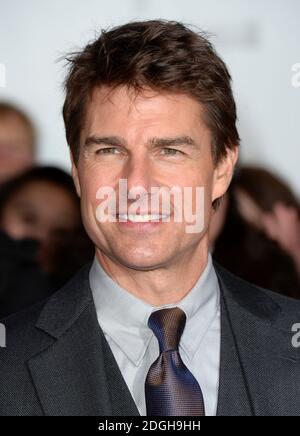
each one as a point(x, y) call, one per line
point(170, 388)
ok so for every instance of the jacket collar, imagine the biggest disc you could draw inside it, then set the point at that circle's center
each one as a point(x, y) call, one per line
point(124, 317)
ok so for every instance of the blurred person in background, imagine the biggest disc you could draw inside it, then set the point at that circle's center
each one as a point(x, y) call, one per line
point(17, 141)
point(255, 233)
point(42, 232)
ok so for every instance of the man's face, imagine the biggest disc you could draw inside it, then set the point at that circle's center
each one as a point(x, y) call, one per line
point(16, 153)
point(151, 140)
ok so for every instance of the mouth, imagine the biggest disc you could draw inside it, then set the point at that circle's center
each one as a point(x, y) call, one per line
point(142, 218)
point(141, 223)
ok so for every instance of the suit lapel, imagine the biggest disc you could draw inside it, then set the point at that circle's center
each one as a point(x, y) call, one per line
point(70, 376)
point(122, 403)
point(77, 374)
point(258, 362)
point(233, 398)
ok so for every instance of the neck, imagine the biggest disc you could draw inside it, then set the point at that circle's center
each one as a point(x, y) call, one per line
point(161, 286)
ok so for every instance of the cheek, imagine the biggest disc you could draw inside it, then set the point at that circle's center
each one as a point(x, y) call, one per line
point(202, 185)
point(91, 177)
point(202, 198)
point(89, 185)
point(13, 225)
point(89, 202)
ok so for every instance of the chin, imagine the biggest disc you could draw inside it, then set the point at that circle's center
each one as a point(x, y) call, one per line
point(141, 262)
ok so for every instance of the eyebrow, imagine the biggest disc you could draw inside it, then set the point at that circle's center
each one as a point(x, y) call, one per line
point(104, 140)
point(167, 142)
point(154, 142)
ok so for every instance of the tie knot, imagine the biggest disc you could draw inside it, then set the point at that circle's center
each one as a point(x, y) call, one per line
point(167, 325)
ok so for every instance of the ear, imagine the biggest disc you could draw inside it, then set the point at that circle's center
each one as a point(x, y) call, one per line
point(223, 173)
point(75, 175)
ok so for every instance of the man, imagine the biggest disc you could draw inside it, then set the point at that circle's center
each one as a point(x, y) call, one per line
point(17, 141)
point(152, 327)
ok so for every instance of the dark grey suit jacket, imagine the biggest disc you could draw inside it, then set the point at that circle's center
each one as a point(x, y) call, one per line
point(57, 360)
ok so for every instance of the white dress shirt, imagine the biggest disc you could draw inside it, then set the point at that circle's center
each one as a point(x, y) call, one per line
point(124, 320)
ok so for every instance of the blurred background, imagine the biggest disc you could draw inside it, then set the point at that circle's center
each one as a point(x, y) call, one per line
point(256, 231)
point(259, 41)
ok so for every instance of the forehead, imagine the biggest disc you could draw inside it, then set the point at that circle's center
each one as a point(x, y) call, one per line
point(13, 125)
point(126, 107)
point(46, 198)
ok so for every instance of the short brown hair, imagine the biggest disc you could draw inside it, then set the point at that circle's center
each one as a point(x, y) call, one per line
point(10, 110)
point(157, 54)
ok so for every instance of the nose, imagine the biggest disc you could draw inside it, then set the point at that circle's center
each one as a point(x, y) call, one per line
point(139, 172)
point(41, 234)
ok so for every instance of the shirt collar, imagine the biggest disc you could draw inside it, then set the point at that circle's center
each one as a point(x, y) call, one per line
point(124, 317)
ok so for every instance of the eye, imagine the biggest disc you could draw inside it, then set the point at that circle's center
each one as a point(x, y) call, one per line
point(60, 233)
point(107, 150)
point(28, 218)
point(172, 151)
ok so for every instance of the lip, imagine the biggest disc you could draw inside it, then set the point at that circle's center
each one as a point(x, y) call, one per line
point(141, 226)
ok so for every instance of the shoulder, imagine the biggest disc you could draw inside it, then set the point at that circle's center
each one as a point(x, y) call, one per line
point(259, 300)
point(31, 332)
point(24, 338)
